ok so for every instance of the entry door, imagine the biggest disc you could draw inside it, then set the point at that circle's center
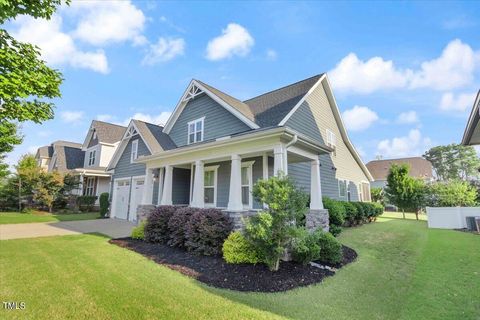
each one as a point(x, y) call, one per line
point(122, 191)
point(137, 194)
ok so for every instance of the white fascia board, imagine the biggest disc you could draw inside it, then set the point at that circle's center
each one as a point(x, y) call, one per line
point(285, 119)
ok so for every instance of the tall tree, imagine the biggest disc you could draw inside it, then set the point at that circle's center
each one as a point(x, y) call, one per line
point(454, 161)
point(26, 83)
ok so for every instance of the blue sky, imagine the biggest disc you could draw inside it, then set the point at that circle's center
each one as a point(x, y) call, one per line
point(404, 74)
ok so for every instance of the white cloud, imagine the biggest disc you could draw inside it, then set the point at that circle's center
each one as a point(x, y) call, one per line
point(408, 117)
point(453, 69)
point(235, 40)
point(104, 22)
point(359, 118)
point(460, 102)
point(159, 119)
point(33, 149)
point(71, 116)
point(353, 74)
point(413, 144)
point(164, 50)
point(57, 47)
point(271, 55)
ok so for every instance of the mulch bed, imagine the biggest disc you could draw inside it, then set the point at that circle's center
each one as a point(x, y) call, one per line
point(215, 272)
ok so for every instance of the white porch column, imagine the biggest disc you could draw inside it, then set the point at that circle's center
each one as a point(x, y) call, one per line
point(316, 202)
point(265, 166)
point(148, 187)
point(167, 186)
point(235, 194)
point(279, 160)
point(198, 199)
point(161, 174)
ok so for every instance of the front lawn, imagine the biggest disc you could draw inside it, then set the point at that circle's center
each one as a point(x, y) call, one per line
point(40, 216)
point(404, 271)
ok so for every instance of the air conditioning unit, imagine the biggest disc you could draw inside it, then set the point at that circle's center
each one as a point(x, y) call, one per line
point(473, 223)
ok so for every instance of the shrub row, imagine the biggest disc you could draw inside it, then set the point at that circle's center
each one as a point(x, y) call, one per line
point(343, 213)
point(202, 231)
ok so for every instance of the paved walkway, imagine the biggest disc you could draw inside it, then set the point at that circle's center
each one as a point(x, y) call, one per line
point(109, 227)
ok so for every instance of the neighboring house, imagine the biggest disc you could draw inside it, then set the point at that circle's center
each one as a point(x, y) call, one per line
point(217, 147)
point(472, 131)
point(98, 149)
point(61, 156)
point(419, 168)
point(128, 177)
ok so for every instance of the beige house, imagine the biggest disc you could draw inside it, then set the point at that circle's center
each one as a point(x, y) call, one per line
point(472, 131)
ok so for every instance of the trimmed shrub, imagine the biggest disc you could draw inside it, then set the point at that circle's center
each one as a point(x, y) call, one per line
point(206, 231)
point(305, 246)
point(350, 213)
point(104, 204)
point(236, 249)
point(177, 226)
point(139, 231)
point(336, 213)
point(156, 229)
point(86, 203)
point(330, 247)
point(361, 215)
point(378, 209)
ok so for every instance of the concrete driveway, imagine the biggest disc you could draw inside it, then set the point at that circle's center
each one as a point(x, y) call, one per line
point(109, 227)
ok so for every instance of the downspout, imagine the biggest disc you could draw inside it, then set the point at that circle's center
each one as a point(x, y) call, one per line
point(293, 141)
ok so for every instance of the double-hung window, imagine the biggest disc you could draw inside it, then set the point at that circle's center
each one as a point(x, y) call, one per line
point(90, 187)
point(210, 186)
point(134, 153)
point(195, 130)
point(91, 157)
point(246, 176)
point(342, 188)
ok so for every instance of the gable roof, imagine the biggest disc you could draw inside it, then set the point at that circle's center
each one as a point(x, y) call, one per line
point(44, 152)
point(419, 167)
point(106, 132)
point(152, 135)
point(271, 107)
point(67, 156)
point(471, 135)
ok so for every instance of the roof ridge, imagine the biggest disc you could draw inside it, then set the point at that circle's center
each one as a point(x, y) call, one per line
point(284, 87)
point(154, 124)
point(204, 83)
point(391, 159)
point(112, 124)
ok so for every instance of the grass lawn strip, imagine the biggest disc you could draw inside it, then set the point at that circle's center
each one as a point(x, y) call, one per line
point(15, 217)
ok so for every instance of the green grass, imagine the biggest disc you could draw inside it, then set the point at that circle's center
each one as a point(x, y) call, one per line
point(38, 216)
point(404, 271)
point(408, 215)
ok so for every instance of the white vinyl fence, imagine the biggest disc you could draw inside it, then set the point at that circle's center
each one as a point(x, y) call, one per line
point(450, 217)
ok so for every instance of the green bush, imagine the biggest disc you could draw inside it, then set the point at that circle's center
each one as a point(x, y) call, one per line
point(350, 213)
point(361, 214)
point(236, 249)
point(335, 230)
point(451, 194)
point(378, 209)
point(270, 230)
point(336, 213)
point(86, 203)
point(206, 231)
point(330, 247)
point(104, 204)
point(305, 246)
point(139, 231)
point(156, 229)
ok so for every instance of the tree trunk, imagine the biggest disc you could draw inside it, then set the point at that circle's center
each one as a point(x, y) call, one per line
point(416, 214)
point(403, 212)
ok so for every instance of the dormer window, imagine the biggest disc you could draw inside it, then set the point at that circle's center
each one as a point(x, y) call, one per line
point(195, 130)
point(91, 157)
point(134, 153)
point(94, 135)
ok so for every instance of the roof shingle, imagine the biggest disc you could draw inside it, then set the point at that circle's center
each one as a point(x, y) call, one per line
point(419, 167)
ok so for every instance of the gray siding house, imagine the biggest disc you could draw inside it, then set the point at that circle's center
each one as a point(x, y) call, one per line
point(214, 148)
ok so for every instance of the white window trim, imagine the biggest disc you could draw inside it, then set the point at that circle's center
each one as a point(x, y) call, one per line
point(134, 155)
point(346, 188)
point(215, 177)
point(249, 165)
point(194, 122)
point(91, 152)
point(88, 187)
point(331, 138)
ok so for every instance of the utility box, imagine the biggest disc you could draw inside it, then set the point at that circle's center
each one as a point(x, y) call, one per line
point(473, 223)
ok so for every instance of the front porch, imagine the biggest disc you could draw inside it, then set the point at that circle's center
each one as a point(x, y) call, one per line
point(92, 182)
point(221, 173)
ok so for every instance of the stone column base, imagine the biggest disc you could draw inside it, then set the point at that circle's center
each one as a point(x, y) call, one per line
point(238, 218)
point(143, 210)
point(316, 219)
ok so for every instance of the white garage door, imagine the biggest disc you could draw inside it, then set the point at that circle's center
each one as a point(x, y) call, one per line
point(122, 191)
point(136, 199)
